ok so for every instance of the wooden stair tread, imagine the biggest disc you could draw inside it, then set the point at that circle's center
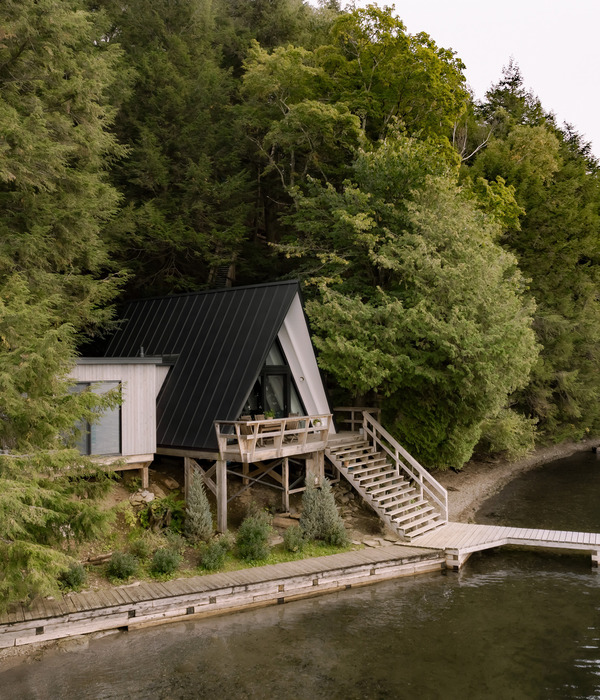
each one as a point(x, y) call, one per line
point(371, 463)
point(428, 510)
point(405, 494)
point(363, 473)
point(432, 525)
point(410, 525)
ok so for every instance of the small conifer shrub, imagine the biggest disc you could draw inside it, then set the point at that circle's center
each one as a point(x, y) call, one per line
point(122, 566)
point(198, 521)
point(140, 548)
point(253, 537)
point(73, 578)
point(293, 539)
point(320, 519)
point(165, 561)
point(213, 555)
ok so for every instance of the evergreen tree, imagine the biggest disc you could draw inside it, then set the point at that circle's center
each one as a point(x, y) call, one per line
point(320, 519)
point(557, 185)
point(198, 521)
point(186, 193)
point(55, 282)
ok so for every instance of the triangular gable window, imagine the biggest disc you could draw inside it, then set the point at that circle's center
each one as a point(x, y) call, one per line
point(274, 394)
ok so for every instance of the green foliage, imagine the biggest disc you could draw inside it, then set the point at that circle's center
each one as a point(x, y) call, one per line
point(56, 77)
point(122, 566)
point(55, 118)
point(382, 74)
point(556, 182)
point(417, 302)
point(165, 561)
point(141, 549)
point(252, 539)
point(212, 556)
point(509, 433)
point(162, 513)
point(198, 521)
point(294, 539)
point(74, 577)
point(320, 519)
point(185, 187)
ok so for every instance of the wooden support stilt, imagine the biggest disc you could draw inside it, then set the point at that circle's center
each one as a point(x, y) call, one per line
point(245, 472)
point(315, 468)
point(285, 478)
point(221, 495)
point(145, 475)
point(188, 472)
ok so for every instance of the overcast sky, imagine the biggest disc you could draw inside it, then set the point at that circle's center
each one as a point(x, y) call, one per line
point(556, 45)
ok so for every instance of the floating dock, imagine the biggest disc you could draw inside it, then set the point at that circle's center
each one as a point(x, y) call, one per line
point(459, 540)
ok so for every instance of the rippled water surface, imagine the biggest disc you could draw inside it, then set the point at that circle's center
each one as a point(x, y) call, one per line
point(511, 624)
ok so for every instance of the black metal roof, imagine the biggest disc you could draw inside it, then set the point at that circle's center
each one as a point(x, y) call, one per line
point(221, 337)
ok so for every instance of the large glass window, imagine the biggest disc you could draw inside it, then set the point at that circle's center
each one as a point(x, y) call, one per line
point(104, 436)
point(274, 391)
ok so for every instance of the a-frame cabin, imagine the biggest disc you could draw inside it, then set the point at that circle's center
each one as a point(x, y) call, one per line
point(243, 394)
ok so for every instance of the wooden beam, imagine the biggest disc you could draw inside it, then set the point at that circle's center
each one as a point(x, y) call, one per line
point(285, 478)
point(221, 495)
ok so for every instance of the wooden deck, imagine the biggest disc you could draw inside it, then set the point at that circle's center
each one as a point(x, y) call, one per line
point(272, 438)
point(151, 603)
point(460, 540)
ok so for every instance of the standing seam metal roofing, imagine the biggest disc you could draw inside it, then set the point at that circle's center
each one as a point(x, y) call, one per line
point(222, 338)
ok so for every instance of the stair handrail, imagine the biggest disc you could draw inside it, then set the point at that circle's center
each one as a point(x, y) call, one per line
point(418, 473)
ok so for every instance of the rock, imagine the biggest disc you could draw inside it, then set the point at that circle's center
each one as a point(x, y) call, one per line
point(283, 522)
point(170, 483)
point(371, 542)
point(157, 491)
point(140, 497)
point(274, 541)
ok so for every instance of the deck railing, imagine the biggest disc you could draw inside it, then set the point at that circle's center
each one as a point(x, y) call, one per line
point(404, 462)
point(355, 421)
point(250, 441)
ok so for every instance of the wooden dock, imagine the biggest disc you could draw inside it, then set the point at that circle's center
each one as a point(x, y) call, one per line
point(151, 603)
point(460, 540)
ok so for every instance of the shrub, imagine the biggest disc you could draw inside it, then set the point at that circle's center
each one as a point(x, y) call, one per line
point(122, 565)
point(164, 512)
point(165, 561)
point(140, 548)
point(73, 578)
point(198, 521)
point(293, 539)
point(213, 555)
point(253, 536)
point(320, 519)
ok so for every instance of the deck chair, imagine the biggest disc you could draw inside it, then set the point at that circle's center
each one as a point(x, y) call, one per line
point(292, 425)
point(245, 429)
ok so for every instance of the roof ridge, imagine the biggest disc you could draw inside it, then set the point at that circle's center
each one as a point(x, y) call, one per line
point(214, 291)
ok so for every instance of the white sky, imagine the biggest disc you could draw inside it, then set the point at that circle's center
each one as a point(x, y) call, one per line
point(556, 45)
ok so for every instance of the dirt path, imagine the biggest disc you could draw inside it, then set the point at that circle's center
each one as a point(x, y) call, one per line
point(469, 488)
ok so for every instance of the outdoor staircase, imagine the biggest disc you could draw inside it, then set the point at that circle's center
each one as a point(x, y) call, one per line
point(404, 495)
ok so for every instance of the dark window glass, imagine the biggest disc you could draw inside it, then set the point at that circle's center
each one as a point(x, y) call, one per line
point(104, 436)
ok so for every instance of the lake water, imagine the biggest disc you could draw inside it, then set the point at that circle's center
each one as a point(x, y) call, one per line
point(511, 624)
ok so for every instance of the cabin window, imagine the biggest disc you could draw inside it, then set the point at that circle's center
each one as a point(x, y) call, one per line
point(104, 436)
point(274, 391)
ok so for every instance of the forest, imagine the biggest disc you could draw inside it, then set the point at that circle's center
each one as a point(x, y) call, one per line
point(448, 248)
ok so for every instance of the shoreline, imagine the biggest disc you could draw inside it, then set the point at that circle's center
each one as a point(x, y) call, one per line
point(469, 488)
point(467, 491)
